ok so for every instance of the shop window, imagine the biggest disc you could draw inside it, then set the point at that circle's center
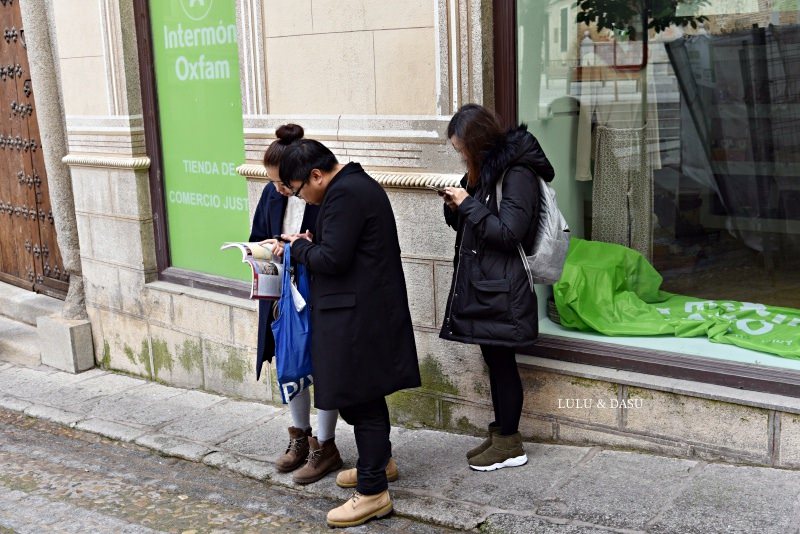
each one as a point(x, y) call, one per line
point(193, 118)
point(677, 137)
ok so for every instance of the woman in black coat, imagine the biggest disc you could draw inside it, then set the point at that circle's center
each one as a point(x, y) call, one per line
point(491, 302)
point(362, 342)
point(278, 212)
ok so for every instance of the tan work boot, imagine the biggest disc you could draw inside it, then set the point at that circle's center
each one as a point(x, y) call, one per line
point(323, 458)
point(493, 429)
point(349, 477)
point(359, 509)
point(505, 451)
point(296, 452)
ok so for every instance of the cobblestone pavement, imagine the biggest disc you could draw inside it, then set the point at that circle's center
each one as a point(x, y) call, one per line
point(57, 479)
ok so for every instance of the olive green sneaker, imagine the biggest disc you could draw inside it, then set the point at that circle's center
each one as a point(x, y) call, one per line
point(493, 429)
point(505, 451)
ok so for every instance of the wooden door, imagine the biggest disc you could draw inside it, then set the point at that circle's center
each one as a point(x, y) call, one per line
point(29, 255)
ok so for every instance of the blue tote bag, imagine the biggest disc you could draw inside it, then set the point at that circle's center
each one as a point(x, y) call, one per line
point(292, 332)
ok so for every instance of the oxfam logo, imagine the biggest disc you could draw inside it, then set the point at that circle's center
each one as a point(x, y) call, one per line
point(196, 9)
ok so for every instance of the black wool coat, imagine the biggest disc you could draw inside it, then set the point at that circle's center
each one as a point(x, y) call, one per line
point(490, 301)
point(362, 342)
point(268, 222)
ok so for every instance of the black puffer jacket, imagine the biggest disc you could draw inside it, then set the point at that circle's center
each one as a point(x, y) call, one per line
point(490, 301)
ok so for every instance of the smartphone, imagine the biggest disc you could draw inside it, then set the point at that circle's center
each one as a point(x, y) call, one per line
point(439, 190)
point(279, 238)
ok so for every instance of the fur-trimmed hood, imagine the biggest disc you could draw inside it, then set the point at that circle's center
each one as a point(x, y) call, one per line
point(518, 147)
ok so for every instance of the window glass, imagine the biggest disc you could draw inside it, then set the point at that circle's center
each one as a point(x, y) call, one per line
point(680, 139)
point(202, 141)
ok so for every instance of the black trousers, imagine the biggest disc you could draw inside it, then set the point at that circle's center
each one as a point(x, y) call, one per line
point(506, 387)
point(371, 426)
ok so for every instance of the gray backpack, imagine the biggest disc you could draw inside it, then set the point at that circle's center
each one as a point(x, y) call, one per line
point(546, 261)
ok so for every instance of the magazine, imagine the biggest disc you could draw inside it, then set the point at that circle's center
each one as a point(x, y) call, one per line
point(267, 274)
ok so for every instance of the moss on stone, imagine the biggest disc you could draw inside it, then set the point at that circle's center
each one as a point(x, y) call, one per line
point(434, 378)
point(129, 353)
point(189, 355)
point(234, 368)
point(105, 363)
point(410, 409)
point(162, 359)
point(142, 359)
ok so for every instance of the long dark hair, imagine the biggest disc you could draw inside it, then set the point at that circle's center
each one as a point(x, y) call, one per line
point(303, 156)
point(479, 130)
point(285, 135)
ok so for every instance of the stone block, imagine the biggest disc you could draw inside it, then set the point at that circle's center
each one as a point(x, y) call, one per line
point(90, 186)
point(420, 224)
point(177, 357)
point(238, 464)
point(102, 284)
point(372, 15)
point(157, 306)
point(402, 55)
point(245, 327)
point(617, 490)
point(722, 424)
point(126, 344)
point(726, 498)
point(442, 279)
point(347, 60)
point(231, 370)
point(790, 440)
point(84, 235)
point(65, 344)
point(54, 415)
point(212, 320)
point(173, 446)
point(125, 234)
point(451, 368)
point(98, 340)
point(283, 18)
point(414, 410)
point(131, 285)
point(419, 282)
point(130, 193)
point(466, 418)
point(219, 422)
point(536, 428)
point(81, 98)
point(569, 397)
point(585, 436)
point(79, 28)
point(110, 429)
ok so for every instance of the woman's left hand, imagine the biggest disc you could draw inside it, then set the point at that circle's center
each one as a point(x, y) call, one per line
point(456, 194)
point(291, 238)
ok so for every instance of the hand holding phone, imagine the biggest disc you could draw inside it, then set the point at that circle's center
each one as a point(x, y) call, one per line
point(279, 238)
point(439, 190)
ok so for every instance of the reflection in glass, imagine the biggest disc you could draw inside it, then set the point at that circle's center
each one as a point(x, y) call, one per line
point(674, 131)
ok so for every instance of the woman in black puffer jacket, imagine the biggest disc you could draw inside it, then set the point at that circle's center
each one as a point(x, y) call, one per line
point(490, 301)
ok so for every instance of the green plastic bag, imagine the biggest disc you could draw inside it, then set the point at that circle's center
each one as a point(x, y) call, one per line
point(614, 290)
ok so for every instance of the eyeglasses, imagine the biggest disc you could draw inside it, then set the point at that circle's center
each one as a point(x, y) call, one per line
point(297, 193)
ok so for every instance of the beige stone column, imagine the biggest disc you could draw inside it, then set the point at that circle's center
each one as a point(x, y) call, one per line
point(36, 17)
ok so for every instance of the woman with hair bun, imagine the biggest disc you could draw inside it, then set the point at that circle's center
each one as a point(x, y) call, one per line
point(278, 212)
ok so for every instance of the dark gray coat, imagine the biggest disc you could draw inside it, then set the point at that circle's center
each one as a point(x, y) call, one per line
point(362, 342)
point(490, 301)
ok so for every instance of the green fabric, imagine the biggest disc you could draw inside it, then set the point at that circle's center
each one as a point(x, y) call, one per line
point(613, 290)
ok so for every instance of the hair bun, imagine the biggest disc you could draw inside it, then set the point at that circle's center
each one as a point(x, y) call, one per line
point(288, 133)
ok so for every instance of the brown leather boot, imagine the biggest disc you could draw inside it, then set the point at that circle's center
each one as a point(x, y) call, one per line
point(296, 451)
point(360, 509)
point(349, 477)
point(323, 458)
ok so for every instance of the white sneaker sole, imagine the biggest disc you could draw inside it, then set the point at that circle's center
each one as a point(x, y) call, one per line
point(511, 462)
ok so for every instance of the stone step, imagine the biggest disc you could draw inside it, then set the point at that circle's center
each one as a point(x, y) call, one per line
point(25, 306)
point(19, 343)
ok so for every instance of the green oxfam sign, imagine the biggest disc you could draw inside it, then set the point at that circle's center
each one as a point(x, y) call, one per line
point(200, 114)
